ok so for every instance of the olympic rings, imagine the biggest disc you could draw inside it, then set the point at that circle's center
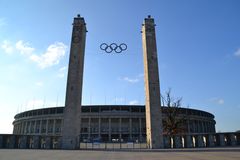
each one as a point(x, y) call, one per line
point(113, 47)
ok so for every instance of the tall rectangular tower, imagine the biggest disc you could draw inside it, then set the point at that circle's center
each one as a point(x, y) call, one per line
point(72, 110)
point(152, 89)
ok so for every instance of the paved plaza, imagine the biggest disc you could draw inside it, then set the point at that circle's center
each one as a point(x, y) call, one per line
point(182, 154)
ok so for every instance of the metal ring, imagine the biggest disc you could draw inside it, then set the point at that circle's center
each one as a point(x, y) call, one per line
point(113, 47)
point(123, 46)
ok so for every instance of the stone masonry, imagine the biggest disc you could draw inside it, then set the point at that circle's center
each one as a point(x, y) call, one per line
point(72, 111)
point(154, 128)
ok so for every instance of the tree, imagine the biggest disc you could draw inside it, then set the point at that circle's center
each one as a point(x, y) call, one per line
point(174, 123)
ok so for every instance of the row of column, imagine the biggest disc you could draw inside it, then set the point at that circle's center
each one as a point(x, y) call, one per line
point(42, 126)
point(104, 128)
point(199, 140)
point(53, 126)
point(198, 126)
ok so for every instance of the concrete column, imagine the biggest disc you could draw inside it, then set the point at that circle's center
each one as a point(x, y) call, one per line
point(73, 102)
point(233, 140)
point(194, 126)
point(1, 141)
point(207, 127)
point(120, 129)
point(40, 127)
point(203, 128)
point(177, 141)
point(210, 140)
point(36, 142)
point(32, 126)
point(140, 129)
point(154, 129)
point(54, 126)
point(14, 129)
point(35, 127)
point(198, 127)
point(200, 142)
point(130, 126)
point(48, 142)
point(47, 126)
point(188, 141)
point(25, 128)
point(167, 141)
point(18, 128)
point(188, 125)
point(109, 130)
point(99, 127)
point(23, 142)
point(12, 139)
point(59, 143)
point(89, 127)
point(221, 140)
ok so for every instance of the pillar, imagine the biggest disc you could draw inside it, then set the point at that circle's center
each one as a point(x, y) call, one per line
point(188, 141)
point(233, 140)
point(47, 121)
point(36, 142)
point(221, 140)
point(154, 129)
point(200, 142)
point(109, 130)
point(12, 141)
point(130, 126)
point(72, 111)
point(89, 128)
point(35, 127)
point(177, 141)
point(1, 141)
point(48, 142)
point(23, 142)
point(120, 129)
point(140, 129)
point(167, 141)
point(99, 128)
point(54, 126)
point(40, 127)
point(210, 140)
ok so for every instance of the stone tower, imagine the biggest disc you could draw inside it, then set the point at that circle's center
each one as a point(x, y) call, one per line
point(154, 128)
point(72, 110)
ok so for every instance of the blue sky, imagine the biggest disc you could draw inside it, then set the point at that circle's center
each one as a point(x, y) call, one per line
point(198, 51)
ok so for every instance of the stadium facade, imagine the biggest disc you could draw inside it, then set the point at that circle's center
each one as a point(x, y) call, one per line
point(107, 123)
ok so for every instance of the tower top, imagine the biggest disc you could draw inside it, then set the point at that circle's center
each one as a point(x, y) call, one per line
point(78, 20)
point(148, 21)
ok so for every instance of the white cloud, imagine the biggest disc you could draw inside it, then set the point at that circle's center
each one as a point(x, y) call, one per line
point(7, 47)
point(219, 101)
point(24, 48)
point(131, 80)
point(237, 53)
point(133, 102)
point(52, 55)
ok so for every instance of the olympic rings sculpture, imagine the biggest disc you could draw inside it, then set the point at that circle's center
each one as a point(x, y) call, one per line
point(113, 47)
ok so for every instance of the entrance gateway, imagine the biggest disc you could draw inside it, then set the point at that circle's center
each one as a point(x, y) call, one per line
point(73, 103)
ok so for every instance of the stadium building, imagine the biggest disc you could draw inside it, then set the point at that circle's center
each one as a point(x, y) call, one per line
point(107, 122)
